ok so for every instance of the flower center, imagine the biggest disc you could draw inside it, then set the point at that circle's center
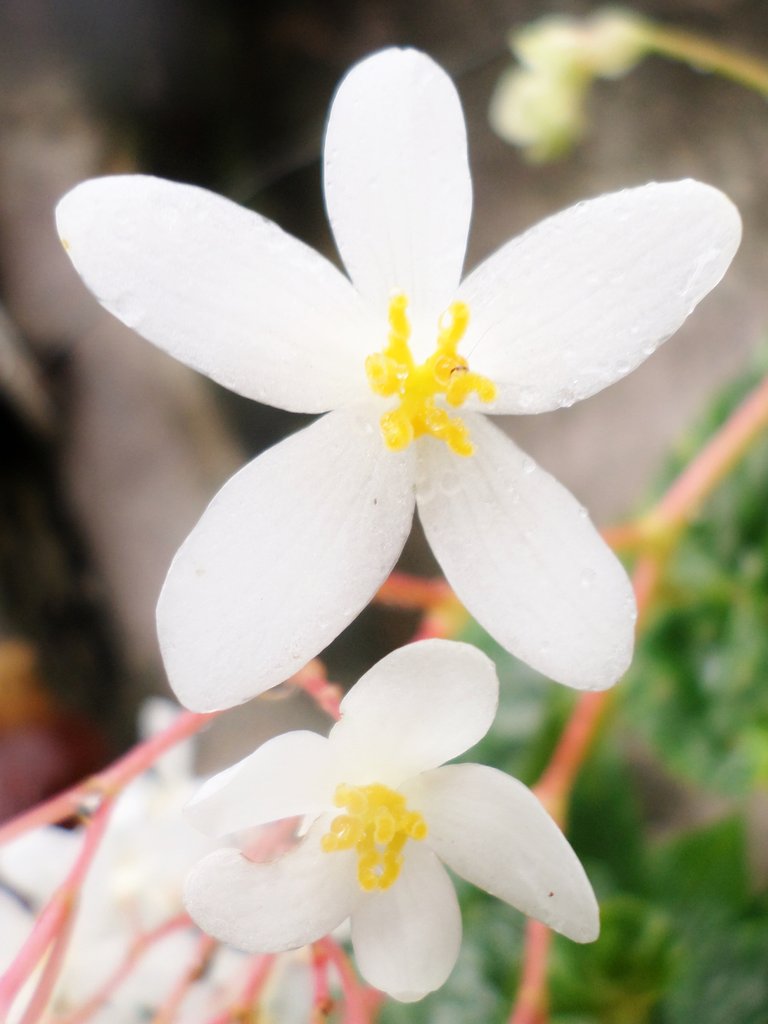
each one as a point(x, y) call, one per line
point(378, 825)
point(446, 373)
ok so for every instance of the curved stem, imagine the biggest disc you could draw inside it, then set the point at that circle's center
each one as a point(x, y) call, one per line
point(705, 55)
point(716, 459)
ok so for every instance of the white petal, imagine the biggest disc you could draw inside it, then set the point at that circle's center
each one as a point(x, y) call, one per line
point(286, 776)
point(418, 707)
point(218, 287)
point(284, 557)
point(522, 555)
point(397, 182)
point(490, 829)
point(584, 297)
point(407, 938)
point(17, 924)
point(268, 908)
point(35, 864)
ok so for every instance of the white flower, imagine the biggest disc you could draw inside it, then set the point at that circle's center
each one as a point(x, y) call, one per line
point(295, 544)
point(379, 861)
point(133, 885)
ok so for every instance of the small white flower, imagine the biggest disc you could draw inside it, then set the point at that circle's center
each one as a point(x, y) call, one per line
point(133, 885)
point(295, 544)
point(383, 814)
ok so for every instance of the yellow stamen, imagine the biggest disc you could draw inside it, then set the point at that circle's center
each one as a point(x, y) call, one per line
point(378, 825)
point(446, 373)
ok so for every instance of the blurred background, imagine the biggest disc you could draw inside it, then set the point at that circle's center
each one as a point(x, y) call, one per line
point(109, 450)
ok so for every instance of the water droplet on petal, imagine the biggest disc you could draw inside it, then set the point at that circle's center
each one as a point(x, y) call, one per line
point(525, 398)
point(588, 577)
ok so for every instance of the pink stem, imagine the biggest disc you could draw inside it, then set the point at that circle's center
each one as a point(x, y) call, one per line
point(323, 1003)
point(356, 1010)
point(51, 971)
point(531, 1005)
point(137, 950)
point(55, 915)
point(78, 800)
point(192, 973)
point(257, 978)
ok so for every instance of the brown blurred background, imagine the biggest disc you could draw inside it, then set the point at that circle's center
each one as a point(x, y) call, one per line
point(109, 450)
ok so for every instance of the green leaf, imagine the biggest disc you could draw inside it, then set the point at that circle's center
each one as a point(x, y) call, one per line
point(620, 978)
point(702, 878)
point(706, 867)
point(725, 979)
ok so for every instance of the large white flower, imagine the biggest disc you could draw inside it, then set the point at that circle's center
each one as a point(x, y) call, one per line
point(382, 815)
point(295, 544)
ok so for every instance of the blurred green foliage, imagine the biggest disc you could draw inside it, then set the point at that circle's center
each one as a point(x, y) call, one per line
point(698, 688)
point(684, 935)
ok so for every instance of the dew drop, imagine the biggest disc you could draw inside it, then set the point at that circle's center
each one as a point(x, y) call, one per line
point(513, 494)
point(525, 398)
point(529, 465)
point(588, 577)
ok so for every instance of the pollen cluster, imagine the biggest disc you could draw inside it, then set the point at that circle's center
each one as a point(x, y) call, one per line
point(377, 825)
point(445, 373)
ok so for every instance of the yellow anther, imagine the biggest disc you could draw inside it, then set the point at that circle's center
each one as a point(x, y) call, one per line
point(396, 429)
point(453, 324)
point(444, 374)
point(377, 824)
